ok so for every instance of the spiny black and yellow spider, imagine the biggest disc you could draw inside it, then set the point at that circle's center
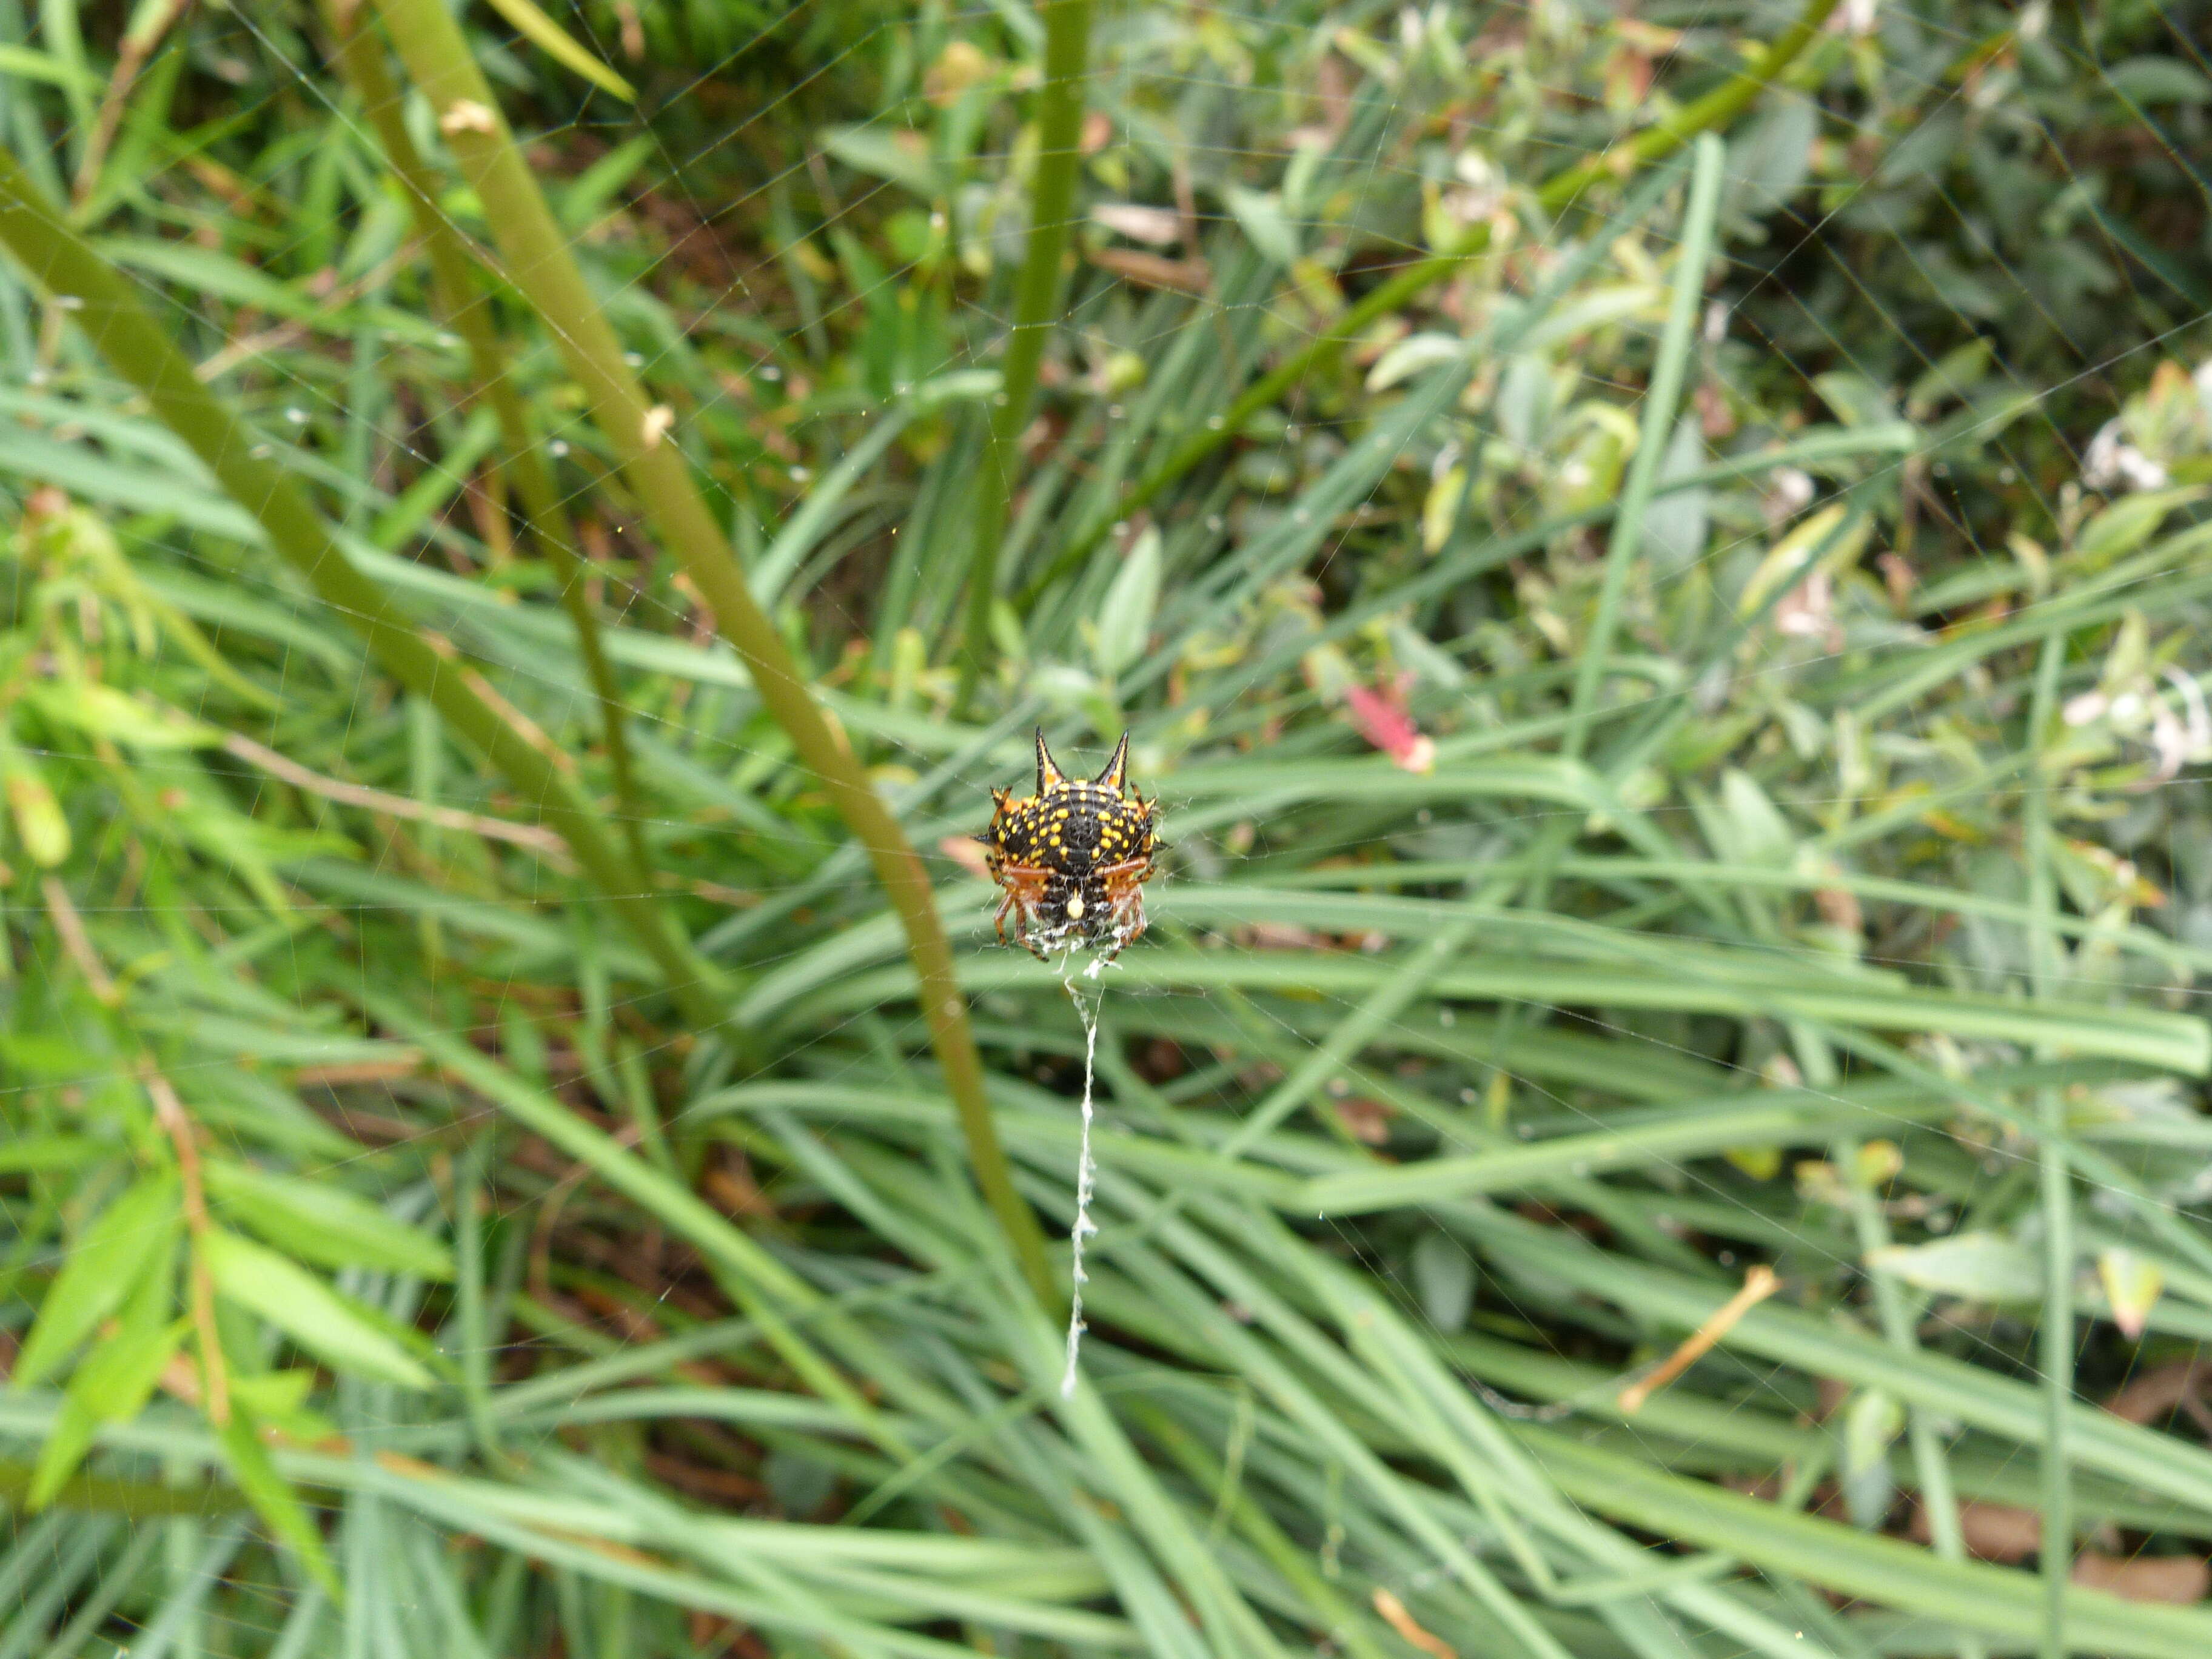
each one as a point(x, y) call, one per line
point(1073, 858)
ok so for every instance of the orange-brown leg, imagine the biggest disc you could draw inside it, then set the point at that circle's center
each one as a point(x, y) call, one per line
point(1024, 886)
point(1125, 888)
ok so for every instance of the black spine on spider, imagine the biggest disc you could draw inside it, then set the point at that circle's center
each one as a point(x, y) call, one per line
point(1072, 860)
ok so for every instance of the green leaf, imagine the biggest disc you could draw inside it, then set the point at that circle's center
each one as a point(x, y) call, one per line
point(1875, 1420)
point(212, 275)
point(1677, 524)
point(2126, 524)
point(1440, 515)
point(328, 1324)
point(549, 38)
point(1979, 1267)
point(438, 484)
point(102, 711)
point(1954, 374)
point(274, 1499)
point(28, 65)
point(1822, 541)
point(280, 1399)
point(1268, 227)
point(132, 1235)
point(42, 1153)
point(1857, 401)
point(2133, 1284)
point(111, 1386)
point(1444, 1278)
point(900, 157)
point(1125, 619)
point(1757, 832)
point(320, 1222)
point(586, 200)
point(40, 823)
point(1770, 163)
point(2159, 80)
point(1599, 308)
point(1410, 357)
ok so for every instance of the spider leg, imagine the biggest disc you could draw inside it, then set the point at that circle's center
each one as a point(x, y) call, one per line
point(1024, 888)
point(1125, 890)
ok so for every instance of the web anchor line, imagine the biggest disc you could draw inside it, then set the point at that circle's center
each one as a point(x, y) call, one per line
point(1086, 1164)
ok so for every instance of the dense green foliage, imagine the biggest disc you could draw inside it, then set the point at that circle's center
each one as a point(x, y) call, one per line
point(1678, 684)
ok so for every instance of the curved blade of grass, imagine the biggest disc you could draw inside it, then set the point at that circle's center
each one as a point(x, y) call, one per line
point(2138, 1457)
point(781, 560)
point(2176, 1043)
point(1864, 1566)
point(1206, 1322)
point(763, 1287)
point(2130, 936)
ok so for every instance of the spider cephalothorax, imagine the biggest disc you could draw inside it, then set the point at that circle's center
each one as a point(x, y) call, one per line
point(1073, 858)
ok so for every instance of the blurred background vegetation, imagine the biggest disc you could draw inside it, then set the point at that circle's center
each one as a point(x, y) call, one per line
point(1656, 558)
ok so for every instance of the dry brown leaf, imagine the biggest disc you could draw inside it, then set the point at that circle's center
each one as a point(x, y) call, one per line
point(1151, 270)
point(1368, 1121)
point(966, 851)
point(2156, 1392)
point(1839, 908)
point(1993, 1532)
point(1758, 1283)
point(1395, 1614)
point(2181, 1579)
point(1156, 227)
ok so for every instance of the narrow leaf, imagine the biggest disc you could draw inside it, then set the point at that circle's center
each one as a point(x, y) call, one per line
point(111, 1386)
point(549, 38)
point(311, 1313)
point(1980, 1266)
point(131, 1234)
point(275, 1501)
point(322, 1222)
point(1124, 619)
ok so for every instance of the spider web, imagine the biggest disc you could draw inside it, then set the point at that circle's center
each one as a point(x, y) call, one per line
point(809, 260)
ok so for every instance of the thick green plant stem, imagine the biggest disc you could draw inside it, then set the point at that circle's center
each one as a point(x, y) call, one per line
point(1715, 110)
point(361, 61)
point(541, 268)
point(107, 310)
point(2056, 1333)
point(1036, 310)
